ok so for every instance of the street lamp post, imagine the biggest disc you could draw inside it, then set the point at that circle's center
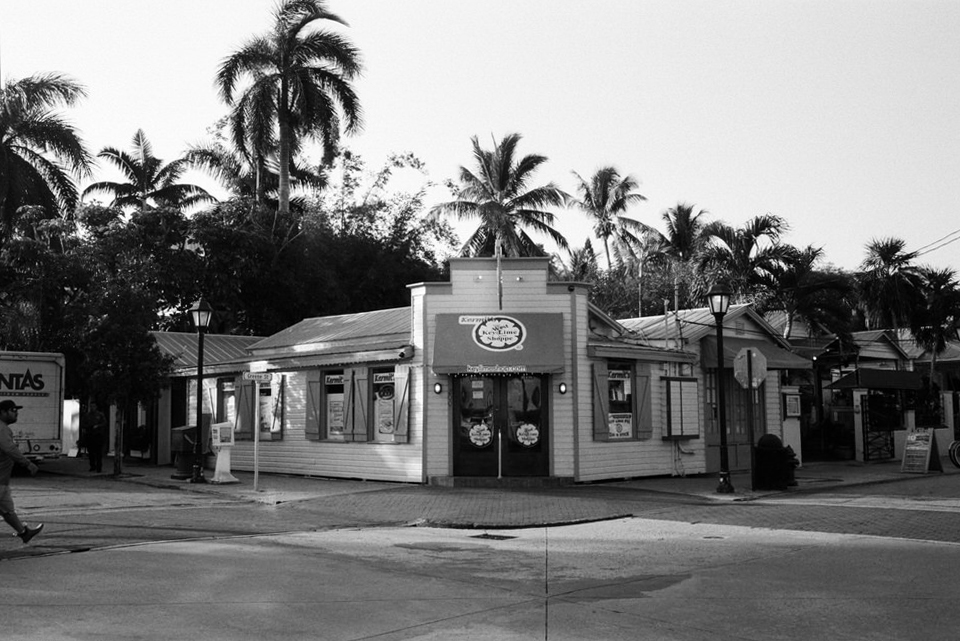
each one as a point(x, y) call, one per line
point(719, 299)
point(201, 312)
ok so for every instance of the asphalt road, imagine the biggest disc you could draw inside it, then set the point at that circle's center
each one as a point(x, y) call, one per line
point(124, 561)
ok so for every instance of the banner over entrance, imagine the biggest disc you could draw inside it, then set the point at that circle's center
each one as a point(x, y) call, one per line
point(498, 344)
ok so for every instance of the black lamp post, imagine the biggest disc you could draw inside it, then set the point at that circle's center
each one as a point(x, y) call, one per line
point(719, 299)
point(202, 312)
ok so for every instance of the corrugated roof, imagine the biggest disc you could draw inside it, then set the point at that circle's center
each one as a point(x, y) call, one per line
point(385, 326)
point(217, 348)
point(694, 323)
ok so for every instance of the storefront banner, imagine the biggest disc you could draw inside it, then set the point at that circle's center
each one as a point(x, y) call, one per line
point(498, 343)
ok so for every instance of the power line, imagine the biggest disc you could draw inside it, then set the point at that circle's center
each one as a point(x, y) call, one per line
point(920, 250)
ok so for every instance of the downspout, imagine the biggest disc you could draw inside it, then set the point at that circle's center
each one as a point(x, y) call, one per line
point(574, 386)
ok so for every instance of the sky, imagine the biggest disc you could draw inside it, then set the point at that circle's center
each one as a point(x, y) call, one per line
point(841, 116)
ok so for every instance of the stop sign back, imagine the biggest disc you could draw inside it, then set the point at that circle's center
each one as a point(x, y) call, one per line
point(750, 368)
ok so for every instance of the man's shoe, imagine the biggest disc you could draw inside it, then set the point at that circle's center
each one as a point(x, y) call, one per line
point(30, 532)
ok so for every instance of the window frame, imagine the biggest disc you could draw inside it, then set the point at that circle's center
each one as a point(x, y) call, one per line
point(641, 422)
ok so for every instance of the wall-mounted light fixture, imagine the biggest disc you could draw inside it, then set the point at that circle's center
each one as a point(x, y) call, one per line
point(562, 388)
point(437, 388)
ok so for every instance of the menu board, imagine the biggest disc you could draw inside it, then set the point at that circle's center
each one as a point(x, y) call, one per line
point(920, 451)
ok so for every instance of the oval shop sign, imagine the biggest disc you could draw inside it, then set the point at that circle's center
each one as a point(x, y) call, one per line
point(496, 333)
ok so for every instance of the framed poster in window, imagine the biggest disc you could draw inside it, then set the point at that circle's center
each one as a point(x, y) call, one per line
point(791, 405)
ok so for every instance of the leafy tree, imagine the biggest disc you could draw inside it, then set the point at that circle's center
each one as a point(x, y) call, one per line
point(39, 149)
point(581, 265)
point(150, 182)
point(745, 256)
point(497, 195)
point(605, 198)
point(122, 362)
point(889, 284)
point(299, 88)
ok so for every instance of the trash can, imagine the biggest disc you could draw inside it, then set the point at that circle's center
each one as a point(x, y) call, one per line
point(773, 464)
point(181, 443)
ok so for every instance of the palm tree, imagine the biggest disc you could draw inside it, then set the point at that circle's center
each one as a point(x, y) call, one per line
point(936, 320)
point(605, 198)
point(684, 237)
point(746, 256)
point(804, 292)
point(889, 284)
point(498, 197)
point(38, 148)
point(300, 86)
point(150, 182)
point(234, 171)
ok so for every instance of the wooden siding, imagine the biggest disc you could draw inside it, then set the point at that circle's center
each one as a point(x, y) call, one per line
point(653, 457)
point(294, 454)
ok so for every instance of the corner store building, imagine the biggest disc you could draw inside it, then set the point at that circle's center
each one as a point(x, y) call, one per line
point(498, 373)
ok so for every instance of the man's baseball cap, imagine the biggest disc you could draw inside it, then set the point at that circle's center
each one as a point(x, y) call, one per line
point(6, 406)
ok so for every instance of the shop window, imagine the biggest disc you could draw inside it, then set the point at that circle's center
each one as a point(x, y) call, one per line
point(270, 414)
point(259, 410)
point(226, 401)
point(358, 405)
point(622, 406)
point(683, 415)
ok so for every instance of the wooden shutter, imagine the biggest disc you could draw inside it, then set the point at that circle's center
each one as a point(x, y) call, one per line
point(311, 427)
point(601, 402)
point(246, 409)
point(360, 427)
point(644, 405)
point(401, 419)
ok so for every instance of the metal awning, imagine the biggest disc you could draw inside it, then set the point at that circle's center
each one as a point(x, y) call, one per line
point(777, 357)
point(866, 378)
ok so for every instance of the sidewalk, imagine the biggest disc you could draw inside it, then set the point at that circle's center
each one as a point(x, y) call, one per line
point(470, 507)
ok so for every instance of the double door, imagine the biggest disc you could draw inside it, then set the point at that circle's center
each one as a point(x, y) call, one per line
point(500, 426)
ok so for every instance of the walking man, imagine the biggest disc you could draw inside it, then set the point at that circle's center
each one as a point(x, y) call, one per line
point(93, 431)
point(10, 455)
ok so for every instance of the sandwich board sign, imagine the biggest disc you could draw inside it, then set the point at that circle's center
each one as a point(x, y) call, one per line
point(920, 451)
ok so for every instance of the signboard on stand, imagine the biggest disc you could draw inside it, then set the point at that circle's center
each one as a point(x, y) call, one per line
point(920, 454)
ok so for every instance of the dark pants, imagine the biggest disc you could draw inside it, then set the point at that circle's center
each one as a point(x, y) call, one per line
point(95, 453)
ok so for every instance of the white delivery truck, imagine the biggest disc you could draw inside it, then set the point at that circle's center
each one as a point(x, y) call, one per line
point(35, 381)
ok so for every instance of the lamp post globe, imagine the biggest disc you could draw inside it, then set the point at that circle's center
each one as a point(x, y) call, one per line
point(201, 312)
point(719, 300)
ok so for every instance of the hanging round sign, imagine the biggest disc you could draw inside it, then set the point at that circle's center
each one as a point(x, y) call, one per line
point(481, 435)
point(528, 435)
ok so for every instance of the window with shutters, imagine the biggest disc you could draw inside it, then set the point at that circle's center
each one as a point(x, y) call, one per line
point(253, 408)
point(622, 406)
point(358, 404)
point(683, 408)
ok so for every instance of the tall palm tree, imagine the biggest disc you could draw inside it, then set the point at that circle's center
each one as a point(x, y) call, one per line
point(299, 88)
point(150, 182)
point(38, 148)
point(605, 197)
point(889, 284)
point(497, 195)
point(745, 256)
